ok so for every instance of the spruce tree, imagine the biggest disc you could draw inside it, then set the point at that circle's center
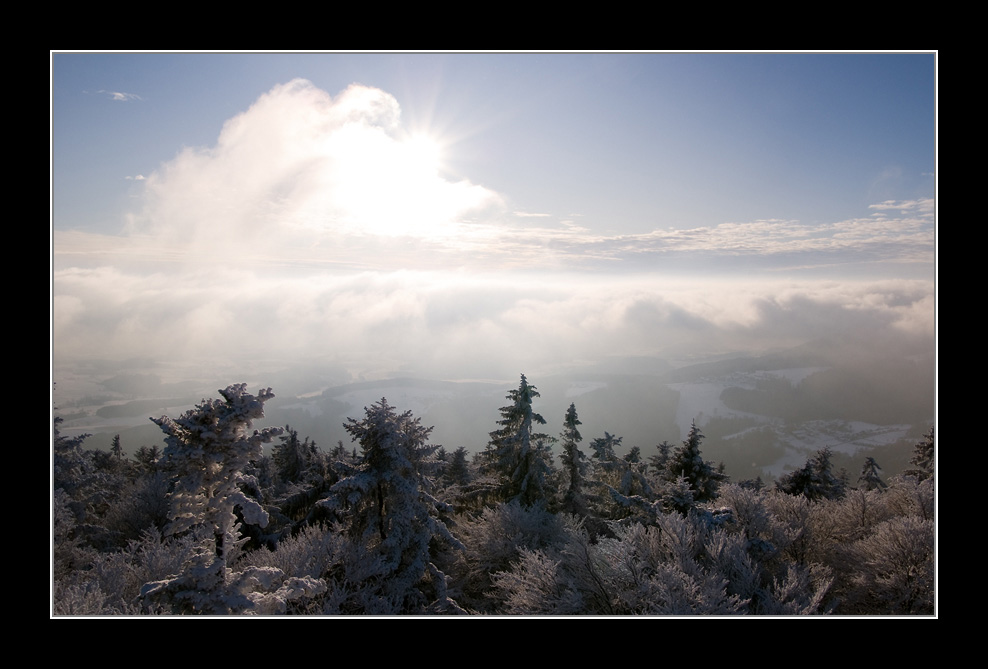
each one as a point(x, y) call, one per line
point(574, 463)
point(687, 461)
point(207, 449)
point(387, 507)
point(815, 480)
point(923, 458)
point(518, 455)
point(870, 479)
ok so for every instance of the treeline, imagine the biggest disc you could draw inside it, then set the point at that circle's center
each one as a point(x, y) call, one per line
point(392, 524)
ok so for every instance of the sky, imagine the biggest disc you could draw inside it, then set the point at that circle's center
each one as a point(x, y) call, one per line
point(479, 215)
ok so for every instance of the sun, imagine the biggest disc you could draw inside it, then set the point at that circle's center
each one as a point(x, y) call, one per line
point(404, 193)
point(385, 184)
point(423, 152)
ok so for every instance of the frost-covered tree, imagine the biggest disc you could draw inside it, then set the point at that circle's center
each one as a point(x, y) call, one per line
point(147, 458)
point(603, 449)
point(815, 479)
point(207, 450)
point(517, 454)
point(71, 465)
point(660, 461)
point(116, 448)
point(458, 469)
point(386, 506)
point(870, 478)
point(293, 457)
point(923, 458)
point(687, 461)
point(574, 464)
point(620, 487)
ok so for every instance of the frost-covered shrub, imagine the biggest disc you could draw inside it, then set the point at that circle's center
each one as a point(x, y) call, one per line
point(910, 496)
point(80, 599)
point(207, 586)
point(895, 568)
point(660, 571)
point(142, 505)
point(314, 551)
point(110, 583)
point(495, 539)
point(799, 591)
point(537, 584)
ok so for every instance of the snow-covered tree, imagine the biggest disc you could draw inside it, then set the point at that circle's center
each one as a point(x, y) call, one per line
point(458, 469)
point(518, 455)
point(603, 449)
point(147, 458)
point(687, 461)
point(574, 464)
point(619, 485)
point(71, 465)
point(870, 479)
point(814, 480)
point(387, 507)
point(660, 461)
point(293, 457)
point(207, 450)
point(923, 458)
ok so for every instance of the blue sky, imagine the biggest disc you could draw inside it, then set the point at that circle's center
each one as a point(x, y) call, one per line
point(431, 204)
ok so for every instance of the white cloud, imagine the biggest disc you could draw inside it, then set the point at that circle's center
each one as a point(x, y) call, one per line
point(301, 169)
point(923, 206)
point(119, 96)
point(441, 323)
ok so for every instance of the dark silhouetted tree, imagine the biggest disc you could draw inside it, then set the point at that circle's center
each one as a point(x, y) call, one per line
point(870, 478)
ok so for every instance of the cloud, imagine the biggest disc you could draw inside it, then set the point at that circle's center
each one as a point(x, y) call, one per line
point(301, 169)
point(763, 245)
point(118, 96)
point(460, 325)
point(922, 207)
